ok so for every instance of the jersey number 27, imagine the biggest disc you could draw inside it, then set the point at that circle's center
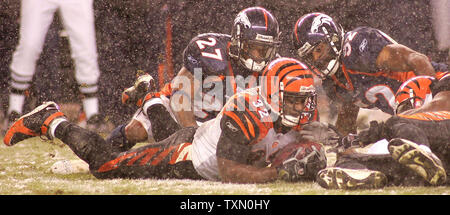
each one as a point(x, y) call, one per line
point(211, 42)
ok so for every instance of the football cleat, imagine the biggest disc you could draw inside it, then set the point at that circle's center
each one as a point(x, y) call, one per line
point(135, 94)
point(343, 178)
point(32, 124)
point(426, 164)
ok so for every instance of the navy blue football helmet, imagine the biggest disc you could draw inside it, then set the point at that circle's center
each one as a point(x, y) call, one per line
point(311, 30)
point(254, 38)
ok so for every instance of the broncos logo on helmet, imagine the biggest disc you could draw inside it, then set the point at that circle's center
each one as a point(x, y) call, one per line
point(413, 93)
point(254, 38)
point(287, 85)
point(312, 29)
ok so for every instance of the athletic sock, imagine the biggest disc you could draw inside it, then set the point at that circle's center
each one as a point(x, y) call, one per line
point(90, 106)
point(16, 102)
point(57, 128)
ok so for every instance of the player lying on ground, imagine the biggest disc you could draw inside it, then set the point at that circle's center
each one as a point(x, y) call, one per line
point(256, 127)
point(211, 61)
point(362, 68)
point(418, 138)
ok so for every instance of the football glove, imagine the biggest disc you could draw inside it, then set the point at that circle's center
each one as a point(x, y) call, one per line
point(291, 170)
point(320, 133)
point(365, 137)
point(344, 143)
point(296, 169)
point(372, 134)
point(135, 94)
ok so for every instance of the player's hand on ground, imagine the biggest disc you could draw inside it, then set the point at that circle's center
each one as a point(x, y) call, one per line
point(372, 134)
point(345, 143)
point(319, 132)
point(291, 170)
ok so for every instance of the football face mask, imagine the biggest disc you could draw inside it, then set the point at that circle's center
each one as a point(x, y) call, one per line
point(297, 108)
point(322, 58)
point(287, 86)
point(255, 55)
point(254, 38)
point(318, 32)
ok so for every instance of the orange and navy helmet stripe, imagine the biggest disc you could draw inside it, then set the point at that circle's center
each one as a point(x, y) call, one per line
point(300, 21)
point(420, 86)
point(265, 19)
point(264, 12)
point(279, 70)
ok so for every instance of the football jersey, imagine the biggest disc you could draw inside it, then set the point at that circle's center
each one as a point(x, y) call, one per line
point(360, 81)
point(246, 122)
point(207, 58)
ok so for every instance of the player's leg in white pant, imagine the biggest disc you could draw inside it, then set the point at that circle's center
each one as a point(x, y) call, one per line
point(35, 19)
point(78, 20)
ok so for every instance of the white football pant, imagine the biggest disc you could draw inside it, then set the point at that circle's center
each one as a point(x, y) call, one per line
point(78, 20)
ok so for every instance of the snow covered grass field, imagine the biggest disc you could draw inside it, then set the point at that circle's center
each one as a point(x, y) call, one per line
point(25, 170)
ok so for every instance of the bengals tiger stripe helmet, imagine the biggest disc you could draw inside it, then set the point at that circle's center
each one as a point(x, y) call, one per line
point(287, 79)
point(413, 93)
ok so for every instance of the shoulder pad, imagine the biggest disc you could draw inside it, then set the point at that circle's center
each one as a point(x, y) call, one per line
point(207, 53)
point(362, 47)
point(247, 116)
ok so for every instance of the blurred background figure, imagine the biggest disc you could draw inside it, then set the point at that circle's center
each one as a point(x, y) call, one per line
point(9, 25)
point(441, 24)
point(77, 18)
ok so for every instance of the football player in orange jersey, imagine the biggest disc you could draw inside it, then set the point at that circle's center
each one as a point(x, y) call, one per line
point(419, 139)
point(240, 145)
point(187, 101)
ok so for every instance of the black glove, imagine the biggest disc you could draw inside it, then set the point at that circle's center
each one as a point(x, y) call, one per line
point(345, 143)
point(305, 168)
point(291, 170)
point(349, 141)
point(118, 140)
point(372, 134)
point(320, 133)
